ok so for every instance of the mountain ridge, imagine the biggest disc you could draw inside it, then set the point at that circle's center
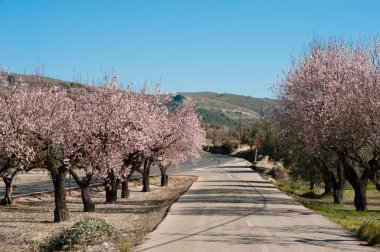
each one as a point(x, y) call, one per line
point(236, 107)
point(214, 108)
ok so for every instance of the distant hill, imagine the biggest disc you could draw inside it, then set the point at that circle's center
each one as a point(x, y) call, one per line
point(227, 108)
point(12, 77)
point(214, 108)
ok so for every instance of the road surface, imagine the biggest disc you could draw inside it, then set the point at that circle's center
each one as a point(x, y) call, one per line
point(36, 182)
point(231, 208)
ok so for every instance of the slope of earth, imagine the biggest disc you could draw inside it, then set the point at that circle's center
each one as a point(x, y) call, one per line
point(13, 77)
point(234, 106)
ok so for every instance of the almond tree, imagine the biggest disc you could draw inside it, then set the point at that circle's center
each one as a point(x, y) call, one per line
point(155, 127)
point(148, 115)
point(183, 139)
point(52, 115)
point(330, 101)
point(103, 113)
point(16, 144)
point(36, 129)
point(117, 123)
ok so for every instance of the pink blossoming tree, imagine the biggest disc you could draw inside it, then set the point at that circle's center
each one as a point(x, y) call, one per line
point(330, 101)
point(106, 131)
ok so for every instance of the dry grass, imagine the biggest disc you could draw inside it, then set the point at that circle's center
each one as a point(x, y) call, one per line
point(29, 220)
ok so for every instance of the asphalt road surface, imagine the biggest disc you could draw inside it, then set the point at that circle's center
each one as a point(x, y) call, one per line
point(231, 208)
point(36, 182)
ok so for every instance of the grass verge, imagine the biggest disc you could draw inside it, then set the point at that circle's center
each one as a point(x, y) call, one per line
point(365, 225)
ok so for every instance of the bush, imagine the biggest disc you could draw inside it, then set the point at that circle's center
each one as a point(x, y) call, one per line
point(370, 231)
point(81, 232)
point(278, 172)
point(225, 149)
point(229, 146)
point(248, 155)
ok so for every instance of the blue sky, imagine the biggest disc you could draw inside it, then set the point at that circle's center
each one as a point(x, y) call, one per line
point(232, 46)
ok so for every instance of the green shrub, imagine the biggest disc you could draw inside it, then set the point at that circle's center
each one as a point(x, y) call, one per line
point(225, 149)
point(248, 155)
point(370, 231)
point(81, 232)
point(229, 146)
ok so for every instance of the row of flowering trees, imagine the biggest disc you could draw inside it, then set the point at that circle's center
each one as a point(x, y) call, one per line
point(106, 131)
point(329, 112)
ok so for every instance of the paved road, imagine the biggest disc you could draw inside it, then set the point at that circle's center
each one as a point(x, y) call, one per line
point(231, 208)
point(41, 182)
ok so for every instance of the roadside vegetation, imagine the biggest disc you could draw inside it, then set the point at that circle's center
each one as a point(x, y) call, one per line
point(366, 225)
point(328, 114)
point(323, 130)
point(328, 121)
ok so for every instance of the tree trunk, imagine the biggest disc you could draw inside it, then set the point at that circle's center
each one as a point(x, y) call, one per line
point(338, 184)
point(164, 176)
point(312, 184)
point(145, 181)
point(110, 196)
point(7, 200)
point(145, 175)
point(374, 167)
point(124, 189)
point(84, 185)
point(359, 184)
point(164, 180)
point(360, 200)
point(338, 195)
point(125, 186)
point(328, 179)
point(8, 180)
point(88, 205)
point(61, 213)
point(134, 161)
point(111, 189)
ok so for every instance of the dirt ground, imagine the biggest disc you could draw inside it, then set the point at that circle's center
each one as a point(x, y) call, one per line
point(29, 220)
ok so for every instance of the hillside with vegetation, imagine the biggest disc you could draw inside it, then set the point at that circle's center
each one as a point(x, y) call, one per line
point(231, 106)
point(228, 119)
point(13, 78)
